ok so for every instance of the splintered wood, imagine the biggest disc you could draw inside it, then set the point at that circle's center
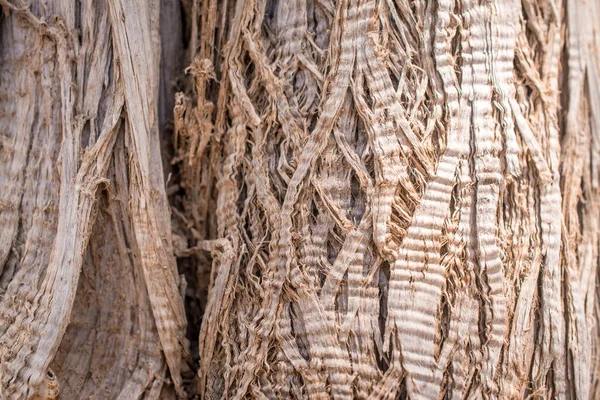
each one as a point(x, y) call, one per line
point(385, 199)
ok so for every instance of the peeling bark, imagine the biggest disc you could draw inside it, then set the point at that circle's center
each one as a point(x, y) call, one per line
point(84, 192)
point(355, 199)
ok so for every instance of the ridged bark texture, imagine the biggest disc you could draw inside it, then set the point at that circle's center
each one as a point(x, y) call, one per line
point(371, 199)
point(406, 197)
point(89, 290)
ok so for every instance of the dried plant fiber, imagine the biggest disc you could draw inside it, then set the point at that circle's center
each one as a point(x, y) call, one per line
point(299, 199)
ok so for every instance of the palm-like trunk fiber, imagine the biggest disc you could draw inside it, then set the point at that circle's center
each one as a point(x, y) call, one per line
point(406, 197)
point(386, 199)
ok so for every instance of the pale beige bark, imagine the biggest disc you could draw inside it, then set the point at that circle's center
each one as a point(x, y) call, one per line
point(384, 198)
point(89, 281)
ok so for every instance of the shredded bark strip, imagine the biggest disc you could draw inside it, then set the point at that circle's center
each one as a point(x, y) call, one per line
point(276, 199)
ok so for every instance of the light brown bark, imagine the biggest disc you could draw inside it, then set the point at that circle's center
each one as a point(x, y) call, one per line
point(89, 281)
point(368, 199)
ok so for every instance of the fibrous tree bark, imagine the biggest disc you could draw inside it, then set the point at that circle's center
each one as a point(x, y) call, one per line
point(368, 199)
point(89, 286)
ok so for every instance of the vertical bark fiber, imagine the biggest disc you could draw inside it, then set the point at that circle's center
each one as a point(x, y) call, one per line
point(89, 280)
point(372, 199)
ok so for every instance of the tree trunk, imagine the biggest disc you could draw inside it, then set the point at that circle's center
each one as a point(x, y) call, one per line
point(368, 199)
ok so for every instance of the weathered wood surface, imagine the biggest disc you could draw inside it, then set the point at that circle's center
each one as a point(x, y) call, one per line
point(384, 198)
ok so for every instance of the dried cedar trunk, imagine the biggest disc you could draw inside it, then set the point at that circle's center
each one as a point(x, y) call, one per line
point(384, 199)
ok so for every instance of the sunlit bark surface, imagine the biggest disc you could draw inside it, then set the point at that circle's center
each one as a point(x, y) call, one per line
point(368, 199)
